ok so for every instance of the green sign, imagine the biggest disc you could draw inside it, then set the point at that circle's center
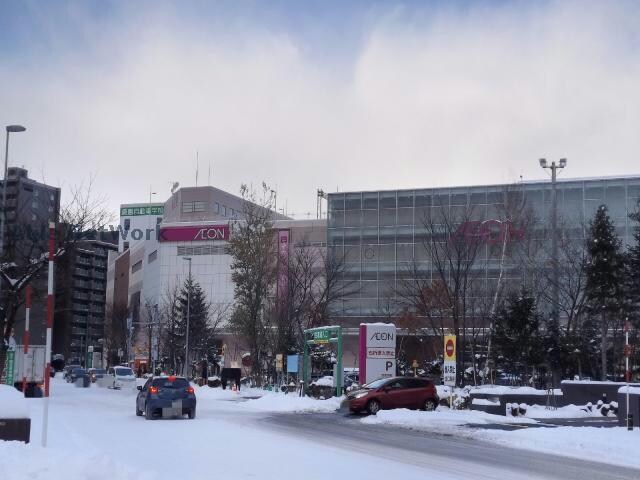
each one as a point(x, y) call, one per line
point(137, 211)
point(9, 366)
point(321, 336)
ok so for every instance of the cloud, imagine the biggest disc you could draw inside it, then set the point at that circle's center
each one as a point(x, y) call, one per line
point(429, 98)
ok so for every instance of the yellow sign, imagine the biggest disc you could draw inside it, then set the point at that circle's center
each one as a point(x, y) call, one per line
point(450, 348)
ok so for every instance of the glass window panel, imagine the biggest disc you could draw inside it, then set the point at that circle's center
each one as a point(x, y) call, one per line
point(336, 218)
point(387, 234)
point(352, 254)
point(495, 197)
point(388, 200)
point(478, 198)
point(405, 199)
point(459, 199)
point(387, 252)
point(370, 271)
point(572, 194)
point(370, 200)
point(422, 199)
point(353, 218)
point(594, 193)
point(336, 202)
point(633, 191)
point(615, 194)
point(387, 216)
point(370, 218)
point(353, 201)
point(405, 216)
point(369, 235)
point(441, 200)
point(404, 234)
point(370, 253)
point(369, 306)
point(369, 289)
point(404, 251)
point(351, 236)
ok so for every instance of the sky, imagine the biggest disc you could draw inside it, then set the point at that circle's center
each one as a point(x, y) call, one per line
point(341, 96)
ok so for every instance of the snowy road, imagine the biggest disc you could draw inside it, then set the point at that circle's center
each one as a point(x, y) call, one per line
point(460, 457)
point(95, 434)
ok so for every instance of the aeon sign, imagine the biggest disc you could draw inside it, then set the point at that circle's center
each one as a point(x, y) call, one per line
point(194, 234)
point(489, 232)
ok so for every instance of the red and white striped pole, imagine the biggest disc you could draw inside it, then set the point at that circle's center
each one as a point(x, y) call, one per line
point(47, 352)
point(25, 338)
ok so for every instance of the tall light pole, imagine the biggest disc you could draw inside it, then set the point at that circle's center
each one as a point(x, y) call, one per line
point(555, 314)
point(185, 367)
point(9, 129)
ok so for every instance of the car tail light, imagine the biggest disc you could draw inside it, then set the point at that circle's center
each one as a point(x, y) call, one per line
point(153, 390)
point(189, 389)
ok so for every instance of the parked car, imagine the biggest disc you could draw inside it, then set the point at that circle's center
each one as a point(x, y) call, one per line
point(68, 369)
point(397, 392)
point(166, 396)
point(96, 373)
point(75, 374)
point(121, 377)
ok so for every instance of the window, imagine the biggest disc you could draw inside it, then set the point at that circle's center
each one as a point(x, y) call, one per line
point(33, 217)
point(216, 207)
point(52, 197)
point(187, 207)
point(199, 206)
point(127, 224)
point(35, 192)
point(224, 211)
point(126, 245)
point(136, 267)
point(50, 209)
point(34, 205)
point(153, 256)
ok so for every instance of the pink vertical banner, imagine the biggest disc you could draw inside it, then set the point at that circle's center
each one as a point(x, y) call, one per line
point(283, 263)
point(362, 357)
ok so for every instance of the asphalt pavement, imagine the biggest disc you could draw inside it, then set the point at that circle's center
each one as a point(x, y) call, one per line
point(465, 458)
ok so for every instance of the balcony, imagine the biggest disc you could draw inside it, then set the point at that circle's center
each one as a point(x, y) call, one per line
point(81, 272)
point(78, 307)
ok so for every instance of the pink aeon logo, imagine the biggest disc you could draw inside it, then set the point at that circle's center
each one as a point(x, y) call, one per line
point(197, 233)
point(490, 232)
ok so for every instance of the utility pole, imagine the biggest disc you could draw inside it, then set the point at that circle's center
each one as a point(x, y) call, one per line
point(186, 348)
point(555, 313)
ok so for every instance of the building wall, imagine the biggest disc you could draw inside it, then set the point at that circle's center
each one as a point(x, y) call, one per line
point(30, 207)
point(380, 234)
point(138, 223)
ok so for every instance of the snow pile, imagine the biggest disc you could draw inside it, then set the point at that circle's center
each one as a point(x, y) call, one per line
point(502, 390)
point(568, 411)
point(324, 382)
point(439, 421)
point(632, 390)
point(278, 402)
point(22, 462)
point(613, 445)
point(12, 403)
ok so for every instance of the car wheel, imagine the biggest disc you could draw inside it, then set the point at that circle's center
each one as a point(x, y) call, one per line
point(192, 413)
point(139, 413)
point(429, 405)
point(373, 407)
point(148, 414)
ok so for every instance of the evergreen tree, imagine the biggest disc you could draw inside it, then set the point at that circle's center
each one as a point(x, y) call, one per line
point(517, 338)
point(200, 332)
point(605, 277)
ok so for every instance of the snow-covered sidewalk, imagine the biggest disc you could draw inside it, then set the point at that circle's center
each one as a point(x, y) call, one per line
point(613, 445)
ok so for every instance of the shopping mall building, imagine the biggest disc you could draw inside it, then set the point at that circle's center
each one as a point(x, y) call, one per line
point(381, 234)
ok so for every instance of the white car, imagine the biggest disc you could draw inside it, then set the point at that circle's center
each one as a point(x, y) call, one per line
point(121, 377)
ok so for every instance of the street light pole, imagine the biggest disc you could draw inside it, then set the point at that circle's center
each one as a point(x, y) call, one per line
point(186, 348)
point(555, 314)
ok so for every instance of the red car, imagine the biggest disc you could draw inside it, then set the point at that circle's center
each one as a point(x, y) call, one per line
point(397, 392)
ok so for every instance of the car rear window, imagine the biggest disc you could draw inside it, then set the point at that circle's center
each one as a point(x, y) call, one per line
point(166, 383)
point(123, 371)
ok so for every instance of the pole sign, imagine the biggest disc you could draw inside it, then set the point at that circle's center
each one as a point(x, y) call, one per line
point(321, 336)
point(9, 367)
point(450, 360)
point(292, 363)
point(279, 362)
point(377, 351)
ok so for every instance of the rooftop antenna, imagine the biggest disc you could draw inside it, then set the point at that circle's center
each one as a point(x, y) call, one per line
point(196, 168)
point(174, 187)
point(319, 196)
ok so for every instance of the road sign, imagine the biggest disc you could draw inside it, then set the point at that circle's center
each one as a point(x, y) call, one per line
point(9, 367)
point(321, 336)
point(377, 351)
point(450, 360)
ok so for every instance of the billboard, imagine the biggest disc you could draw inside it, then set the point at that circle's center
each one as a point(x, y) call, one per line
point(377, 351)
point(194, 233)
